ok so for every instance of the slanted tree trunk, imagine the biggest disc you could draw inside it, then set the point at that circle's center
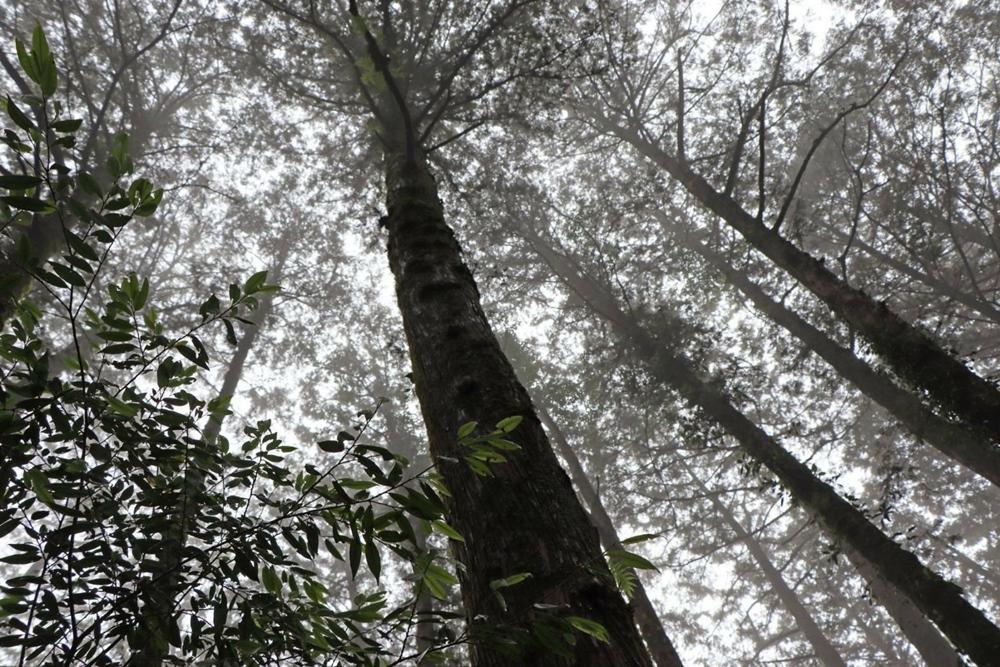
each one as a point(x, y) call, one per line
point(526, 517)
point(823, 649)
point(970, 447)
point(660, 647)
point(159, 615)
point(924, 637)
point(941, 601)
point(905, 348)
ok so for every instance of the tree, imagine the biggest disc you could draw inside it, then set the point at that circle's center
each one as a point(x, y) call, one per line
point(462, 379)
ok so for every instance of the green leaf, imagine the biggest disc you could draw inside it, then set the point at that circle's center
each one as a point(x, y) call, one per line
point(448, 531)
point(44, 62)
point(69, 275)
point(373, 558)
point(89, 184)
point(629, 559)
point(27, 62)
point(512, 580)
point(510, 423)
point(270, 579)
point(589, 627)
point(255, 282)
point(644, 537)
point(466, 429)
point(68, 125)
point(40, 485)
point(28, 204)
point(18, 182)
point(149, 204)
point(121, 407)
point(332, 446)
point(18, 116)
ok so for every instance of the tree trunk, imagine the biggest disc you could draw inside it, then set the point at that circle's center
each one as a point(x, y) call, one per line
point(159, 612)
point(660, 647)
point(941, 601)
point(971, 448)
point(924, 637)
point(907, 350)
point(524, 518)
point(824, 650)
point(424, 606)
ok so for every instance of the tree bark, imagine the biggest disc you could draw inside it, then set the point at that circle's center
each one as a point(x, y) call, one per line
point(526, 517)
point(969, 447)
point(824, 650)
point(924, 637)
point(906, 349)
point(941, 601)
point(660, 647)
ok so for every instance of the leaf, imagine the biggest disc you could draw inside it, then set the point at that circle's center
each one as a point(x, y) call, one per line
point(28, 204)
point(466, 429)
point(19, 182)
point(332, 446)
point(510, 423)
point(27, 62)
point(40, 485)
point(255, 282)
point(68, 125)
point(121, 407)
point(18, 116)
point(589, 627)
point(512, 580)
point(44, 62)
point(629, 559)
point(448, 531)
point(644, 537)
point(149, 205)
point(270, 579)
point(89, 184)
point(373, 558)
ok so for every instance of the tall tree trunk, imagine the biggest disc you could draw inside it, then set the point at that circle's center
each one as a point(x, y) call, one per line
point(970, 447)
point(941, 601)
point(924, 637)
point(526, 517)
point(660, 647)
point(824, 650)
point(906, 349)
point(160, 596)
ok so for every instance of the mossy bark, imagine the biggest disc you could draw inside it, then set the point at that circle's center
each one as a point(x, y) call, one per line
point(941, 601)
point(526, 517)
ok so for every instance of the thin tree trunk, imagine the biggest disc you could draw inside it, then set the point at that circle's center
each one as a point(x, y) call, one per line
point(910, 352)
point(660, 647)
point(159, 613)
point(969, 447)
point(424, 606)
point(526, 517)
point(824, 650)
point(941, 601)
point(924, 637)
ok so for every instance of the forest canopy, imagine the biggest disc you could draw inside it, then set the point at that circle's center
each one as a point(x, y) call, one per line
point(516, 332)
